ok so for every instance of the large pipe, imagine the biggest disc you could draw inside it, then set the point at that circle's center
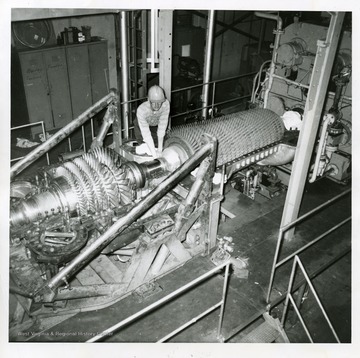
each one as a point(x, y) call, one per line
point(154, 40)
point(106, 124)
point(208, 62)
point(145, 204)
point(278, 33)
point(124, 73)
point(61, 134)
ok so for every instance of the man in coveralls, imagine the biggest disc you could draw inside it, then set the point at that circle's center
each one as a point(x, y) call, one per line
point(152, 118)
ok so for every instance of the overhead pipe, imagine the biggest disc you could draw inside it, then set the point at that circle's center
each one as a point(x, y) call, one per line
point(124, 73)
point(278, 32)
point(62, 134)
point(48, 290)
point(208, 62)
point(154, 41)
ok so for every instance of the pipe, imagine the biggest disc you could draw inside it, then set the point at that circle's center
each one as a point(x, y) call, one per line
point(329, 119)
point(297, 84)
point(124, 72)
point(187, 206)
point(61, 134)
point(189, 323)
point(119, 226)
point(278, 33)
point(208, 62)
point(297, 311)
point(106, 124)
point(298, 261)
point(153, 41)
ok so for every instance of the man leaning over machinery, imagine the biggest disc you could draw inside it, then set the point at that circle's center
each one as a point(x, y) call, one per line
point(152, 118)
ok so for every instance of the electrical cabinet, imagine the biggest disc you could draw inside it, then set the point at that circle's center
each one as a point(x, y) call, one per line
point(62, 82)
point(99, 70)
point(58, 88)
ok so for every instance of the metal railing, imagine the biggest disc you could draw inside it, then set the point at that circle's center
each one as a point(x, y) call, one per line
point(84, 135)
point(28, 126)
point(277, 263)
point(290, 299)
point(125, 129)
point(62, 134)
point(171, 296)
point(215, 83)
point(285, 228)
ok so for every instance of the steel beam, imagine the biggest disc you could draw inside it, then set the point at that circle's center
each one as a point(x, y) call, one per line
point(124, 74)
point(313, 109)
point(165, 32)
point(208, 61)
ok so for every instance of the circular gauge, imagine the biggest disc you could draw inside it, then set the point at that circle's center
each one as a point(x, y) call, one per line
point(33, 34)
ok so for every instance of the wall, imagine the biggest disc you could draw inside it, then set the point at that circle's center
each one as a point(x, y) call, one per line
point(230, 47)
point(101, 25)
point(101, 22)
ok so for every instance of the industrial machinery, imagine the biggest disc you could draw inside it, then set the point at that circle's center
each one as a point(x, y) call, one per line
point(283, 85)
point(88, 231)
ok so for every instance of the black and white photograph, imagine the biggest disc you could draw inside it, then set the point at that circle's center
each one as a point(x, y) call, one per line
point(179, 174)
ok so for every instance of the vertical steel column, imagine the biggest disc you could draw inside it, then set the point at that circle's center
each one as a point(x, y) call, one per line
point(208, 61)
point(117, 127)
point(278, 32)
point(313, 108)
point(164, 39)
point(124, 73)
point(154, 41)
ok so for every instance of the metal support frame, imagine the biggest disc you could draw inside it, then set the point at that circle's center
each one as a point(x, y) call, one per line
point(313, 109)
point(108, 120)
point(208, 61)
point(165, 31)
point(48, 291)
point(214, 212)
point(124, 74)
point(171, 296)
point(297, 262)
point(278, 32)
point(61, 134)
point(32, 125)
point(154, 60)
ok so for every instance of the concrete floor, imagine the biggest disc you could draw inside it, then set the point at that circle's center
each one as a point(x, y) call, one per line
point(255, 231)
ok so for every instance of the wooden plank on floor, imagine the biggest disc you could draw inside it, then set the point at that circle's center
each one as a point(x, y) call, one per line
point(178, 250)
point(106, 269)
point(88, 276)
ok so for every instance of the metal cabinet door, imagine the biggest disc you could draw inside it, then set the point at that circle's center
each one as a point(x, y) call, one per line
point(55, 62)
point(36, 89)
point(99, 69)
point(79, 78)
